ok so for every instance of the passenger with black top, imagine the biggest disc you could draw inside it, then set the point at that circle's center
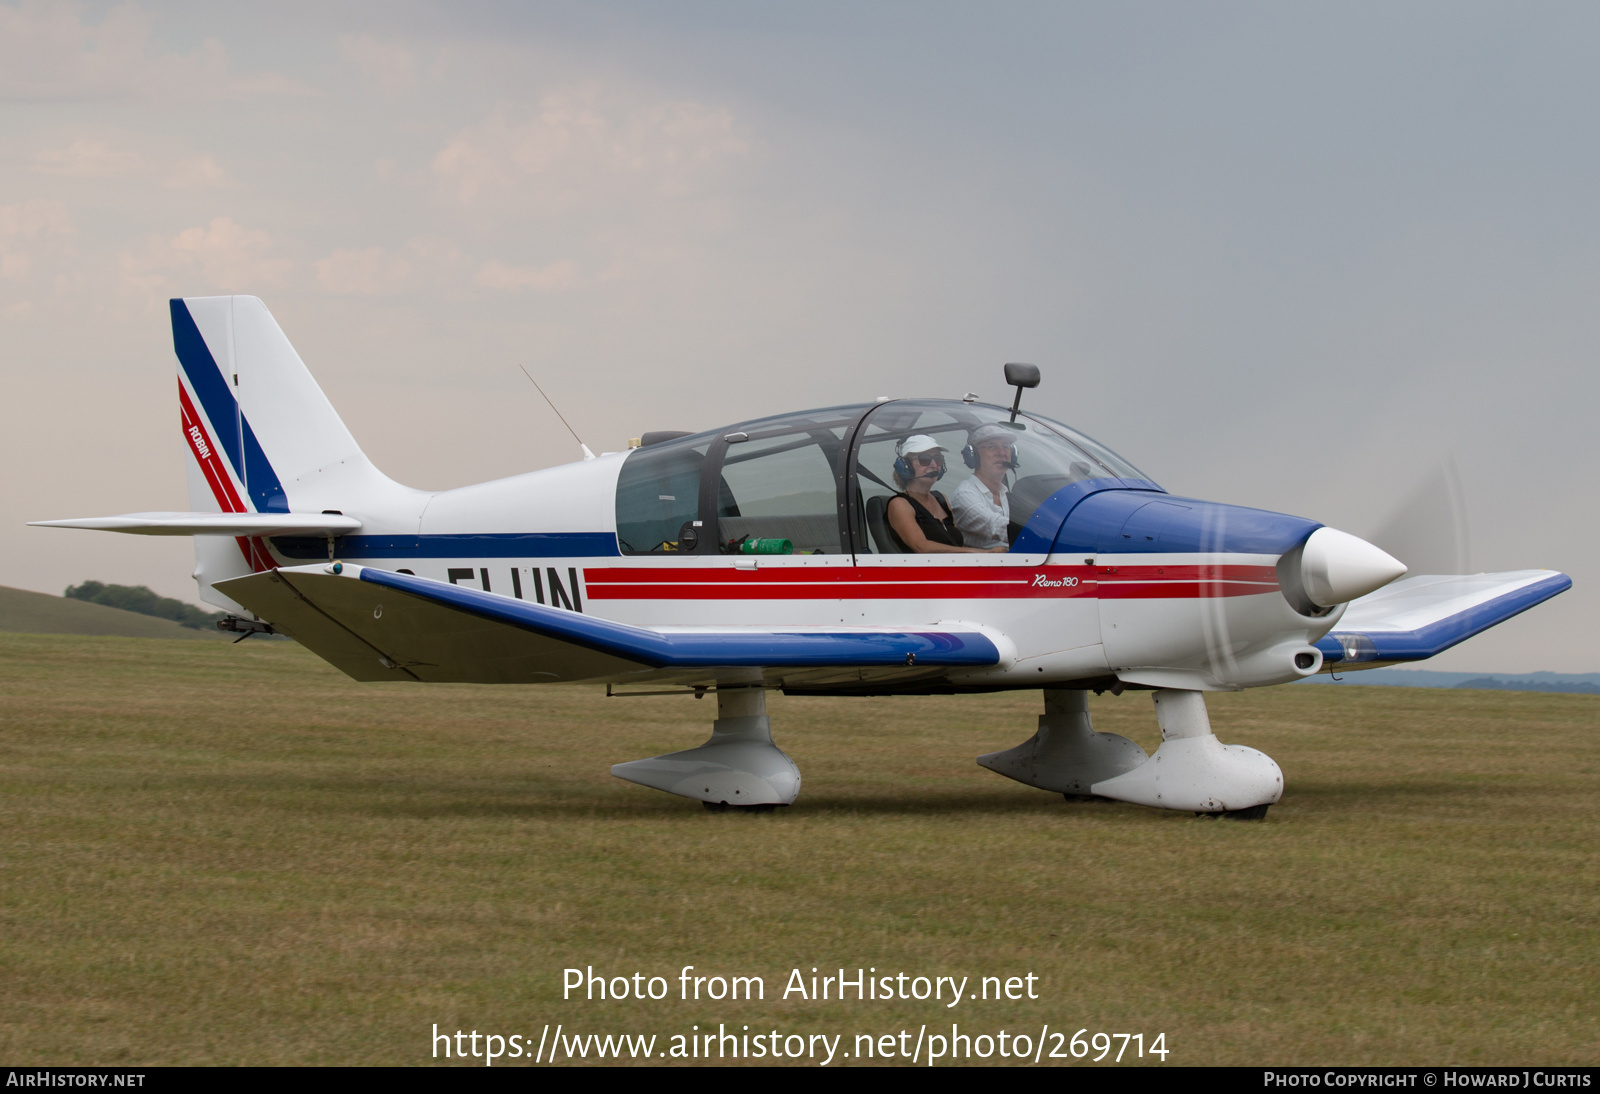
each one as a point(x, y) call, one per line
point(919, 516)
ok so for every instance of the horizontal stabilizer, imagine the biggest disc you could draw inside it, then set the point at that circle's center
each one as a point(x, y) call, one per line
point(213, 524)
point(1417, 617)
point(379, 625)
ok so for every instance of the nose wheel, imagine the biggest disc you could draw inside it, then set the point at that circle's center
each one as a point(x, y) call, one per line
point(1193, 770)
point(1254, 813)
point(725, 807)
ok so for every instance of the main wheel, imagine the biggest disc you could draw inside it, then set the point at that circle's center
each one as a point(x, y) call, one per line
point(1255, 812)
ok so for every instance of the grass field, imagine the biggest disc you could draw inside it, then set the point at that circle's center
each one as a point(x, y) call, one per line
point(22, 610)
point(231, 854)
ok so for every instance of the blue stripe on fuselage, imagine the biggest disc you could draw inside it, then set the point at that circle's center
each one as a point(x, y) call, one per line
point(486, 545)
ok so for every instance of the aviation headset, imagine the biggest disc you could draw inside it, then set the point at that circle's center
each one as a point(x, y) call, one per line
point(902, 466)
point(969, 455)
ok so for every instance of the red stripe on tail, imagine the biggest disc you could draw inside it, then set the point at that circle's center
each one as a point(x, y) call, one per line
point(205, 451)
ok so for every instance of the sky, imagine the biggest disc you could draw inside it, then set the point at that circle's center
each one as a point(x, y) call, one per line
point(1339, 261)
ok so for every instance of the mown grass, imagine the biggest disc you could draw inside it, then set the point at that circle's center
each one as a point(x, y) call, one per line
point(232, 854)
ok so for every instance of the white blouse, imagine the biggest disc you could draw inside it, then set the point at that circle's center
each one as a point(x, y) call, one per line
point(982, 522)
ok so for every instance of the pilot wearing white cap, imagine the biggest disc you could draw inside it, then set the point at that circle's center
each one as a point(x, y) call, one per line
point(919, 515)
point(982, 505)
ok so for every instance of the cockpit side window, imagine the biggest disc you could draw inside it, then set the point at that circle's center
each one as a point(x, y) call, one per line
point(875, 466)
point(778, 490)
point(658, 495)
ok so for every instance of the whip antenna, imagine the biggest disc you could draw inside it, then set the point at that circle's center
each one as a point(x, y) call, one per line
point(586, 453)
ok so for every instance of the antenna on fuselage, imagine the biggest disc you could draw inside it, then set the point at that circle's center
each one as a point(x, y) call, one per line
point(1019, 376)
point(590, 455)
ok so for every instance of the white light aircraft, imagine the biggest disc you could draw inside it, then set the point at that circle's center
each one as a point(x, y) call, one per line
point(766, 555)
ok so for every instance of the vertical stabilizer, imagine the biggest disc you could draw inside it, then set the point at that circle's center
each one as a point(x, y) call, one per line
point(260, 434)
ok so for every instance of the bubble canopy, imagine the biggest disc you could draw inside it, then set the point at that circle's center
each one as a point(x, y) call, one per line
point(812, 478)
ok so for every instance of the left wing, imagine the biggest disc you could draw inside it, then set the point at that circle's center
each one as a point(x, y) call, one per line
point(1417, 617)
point(379, 625)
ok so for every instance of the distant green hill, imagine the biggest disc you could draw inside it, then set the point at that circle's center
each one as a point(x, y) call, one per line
point(40, 613)
point(1582, 683)
point(145, 601)
point(1495, 683)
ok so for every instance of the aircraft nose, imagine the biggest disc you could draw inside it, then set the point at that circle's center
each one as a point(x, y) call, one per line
point(1336, 567)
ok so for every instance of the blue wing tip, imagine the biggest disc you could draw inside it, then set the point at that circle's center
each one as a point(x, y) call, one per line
point(1351, 648)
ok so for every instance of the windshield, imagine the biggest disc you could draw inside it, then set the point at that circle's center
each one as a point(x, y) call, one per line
point(1115, 464)
point(1043, 457)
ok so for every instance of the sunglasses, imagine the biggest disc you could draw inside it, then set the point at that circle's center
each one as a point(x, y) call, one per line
point(927, 460)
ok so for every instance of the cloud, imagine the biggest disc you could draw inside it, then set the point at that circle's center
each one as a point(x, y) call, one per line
point(88, 159)
point(374, 271)
point(36, 245)
point(195, 172)
point(587, 142)
point(223, 256)
point(498, 275)
point(48, 52)
point(390, 66)
point(378, 271)
point(28, 230)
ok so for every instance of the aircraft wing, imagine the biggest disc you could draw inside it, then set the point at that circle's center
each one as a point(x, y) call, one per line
point(213, 524)
point(1417, 617)
point(379, 625)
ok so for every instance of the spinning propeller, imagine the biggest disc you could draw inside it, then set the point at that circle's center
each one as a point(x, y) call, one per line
point(1429, 530)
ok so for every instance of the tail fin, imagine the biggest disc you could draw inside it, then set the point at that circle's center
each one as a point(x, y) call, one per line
point(260, 434)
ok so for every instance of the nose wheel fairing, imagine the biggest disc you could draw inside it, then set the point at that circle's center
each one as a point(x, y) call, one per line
point(1191, 770)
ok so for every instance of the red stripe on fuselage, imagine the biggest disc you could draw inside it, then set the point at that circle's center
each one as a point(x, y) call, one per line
point(927, 582)
point(1185, 582)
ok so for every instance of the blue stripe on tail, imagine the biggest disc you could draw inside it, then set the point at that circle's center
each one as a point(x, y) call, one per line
point(234, 435)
